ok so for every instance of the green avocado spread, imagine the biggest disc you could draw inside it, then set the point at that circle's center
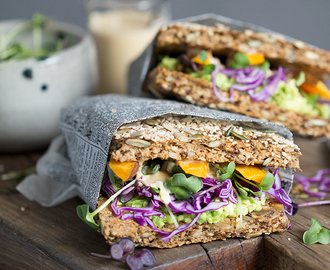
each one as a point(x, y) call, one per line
point(231, 210)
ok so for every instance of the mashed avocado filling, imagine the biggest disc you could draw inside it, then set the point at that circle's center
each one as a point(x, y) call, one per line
point(231, 210)
point(287, 95)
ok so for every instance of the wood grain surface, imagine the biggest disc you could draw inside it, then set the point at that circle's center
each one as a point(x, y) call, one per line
point(34, 237)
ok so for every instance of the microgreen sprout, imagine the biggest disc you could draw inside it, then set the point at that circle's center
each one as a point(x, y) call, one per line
point(265, 185)
point(171, 167)
point(229, 172)
point(202, 55)
point(9, 49)
point(226, 172)
point(244, 191)
point(240, 208)
point(83, 210)
point(267, 182)
point(209, 69)
point(182, 186)
point(38, 21)
point(153, 168)
point(126, 247)
point(316, 233)
point(116, 182)
point(240, 61)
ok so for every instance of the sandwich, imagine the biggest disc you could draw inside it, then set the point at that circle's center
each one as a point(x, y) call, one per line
point(175, 180)
point(262, 75)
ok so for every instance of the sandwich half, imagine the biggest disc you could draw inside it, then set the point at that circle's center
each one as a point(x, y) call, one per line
point(186, 179)
point(256, 74)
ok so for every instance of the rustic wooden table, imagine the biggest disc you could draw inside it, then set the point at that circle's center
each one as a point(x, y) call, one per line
point(33, 237)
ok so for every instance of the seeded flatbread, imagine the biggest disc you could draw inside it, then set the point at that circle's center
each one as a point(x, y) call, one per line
point(270, 219)
point(167, 83)
point(179, 37)
point(196, 138)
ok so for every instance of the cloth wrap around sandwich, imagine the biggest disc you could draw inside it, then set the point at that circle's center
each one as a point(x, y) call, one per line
point(75, 163)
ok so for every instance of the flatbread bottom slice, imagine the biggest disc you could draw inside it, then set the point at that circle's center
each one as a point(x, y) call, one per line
point(270, 219)
point(167, 83)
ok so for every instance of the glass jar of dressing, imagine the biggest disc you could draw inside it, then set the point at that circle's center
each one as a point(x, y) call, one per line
point(122, 30)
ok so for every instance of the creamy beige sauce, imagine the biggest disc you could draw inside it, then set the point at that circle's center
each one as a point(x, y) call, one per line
point(152, 178)
point(156, 180)
point(212, 172)
point(121, 36)
point(164, 192)
point(158, 176)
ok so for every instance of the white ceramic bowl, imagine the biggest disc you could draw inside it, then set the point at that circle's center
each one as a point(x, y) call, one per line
point(30, 105)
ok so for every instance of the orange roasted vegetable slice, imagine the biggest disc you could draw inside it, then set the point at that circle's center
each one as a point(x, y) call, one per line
point(256, 58)
point(196, 168)
point(197, 60)
point(124, 170)
point(319, 88)
point(253, 172)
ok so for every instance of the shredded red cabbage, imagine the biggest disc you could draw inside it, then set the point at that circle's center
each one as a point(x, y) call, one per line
point(199, 203)
point(214, 86)
point(283, 77)
point(269, 90)
point(256, 80)
point(249, 79)
point(222, 190)
point(186, 61)
point(320, 178)
point(322, 101)
point(280, 195)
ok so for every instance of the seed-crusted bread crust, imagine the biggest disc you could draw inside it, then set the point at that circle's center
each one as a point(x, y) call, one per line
point(222, 41)
point(196, 138)
point(270, 219)
point(199, 91)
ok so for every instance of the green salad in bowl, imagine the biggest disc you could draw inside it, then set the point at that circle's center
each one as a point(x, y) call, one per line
point(44, 65)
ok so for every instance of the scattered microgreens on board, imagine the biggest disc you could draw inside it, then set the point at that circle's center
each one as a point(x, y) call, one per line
point(316, 233)
point(15, 177)
point(126, 247)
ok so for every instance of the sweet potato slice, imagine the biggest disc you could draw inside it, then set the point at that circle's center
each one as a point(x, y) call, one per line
point(124, 170)
point(196, 168)
point(252, 172)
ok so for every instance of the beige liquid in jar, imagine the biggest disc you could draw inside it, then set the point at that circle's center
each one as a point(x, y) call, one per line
point(121, 36)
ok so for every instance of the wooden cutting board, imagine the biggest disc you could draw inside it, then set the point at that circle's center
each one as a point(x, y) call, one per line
point(33, 237)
